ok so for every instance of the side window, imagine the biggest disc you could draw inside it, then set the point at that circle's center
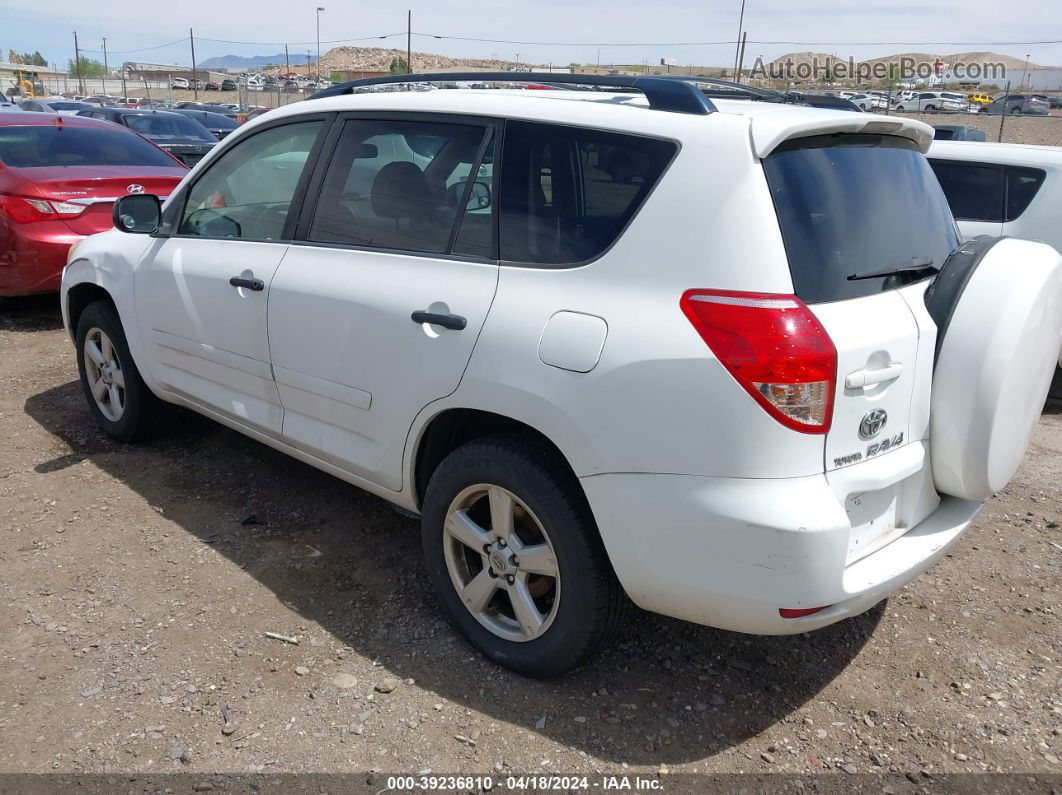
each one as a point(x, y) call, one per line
point(568, 192)
point(974, 190)
point(247, 192)
point(1022, 185)
point(400, 185)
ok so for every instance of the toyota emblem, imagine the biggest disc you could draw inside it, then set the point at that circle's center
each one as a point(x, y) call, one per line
point(872, 423)
point(134, 188)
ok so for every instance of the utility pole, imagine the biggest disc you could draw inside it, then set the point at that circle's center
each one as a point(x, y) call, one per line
point(195, 83)
point(77, 66)
point(409, 43)
point(106, 68)
point(737, 44)
point(319, 10)
point(741, 57)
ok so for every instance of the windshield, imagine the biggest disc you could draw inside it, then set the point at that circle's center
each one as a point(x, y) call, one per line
point(167, 127)
point(42, 146)
point(68, 105)
point(850, 204)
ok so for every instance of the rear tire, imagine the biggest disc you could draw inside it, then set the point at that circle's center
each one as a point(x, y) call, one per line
point(546, 600)
point(116, 394)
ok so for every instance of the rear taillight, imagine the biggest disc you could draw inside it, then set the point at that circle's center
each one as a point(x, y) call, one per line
point(775, 348)
point(23, 210)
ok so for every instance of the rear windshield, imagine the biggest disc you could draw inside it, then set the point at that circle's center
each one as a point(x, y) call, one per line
point(166, 127)
point(68, 105)
point(48, 145)
point(850, 204)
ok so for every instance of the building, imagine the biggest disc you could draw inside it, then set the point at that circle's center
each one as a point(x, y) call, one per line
point(163, 73)
point(1045, 79)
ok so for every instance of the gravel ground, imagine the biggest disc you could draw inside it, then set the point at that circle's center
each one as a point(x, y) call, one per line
point(137, 585)
point(1043, 130)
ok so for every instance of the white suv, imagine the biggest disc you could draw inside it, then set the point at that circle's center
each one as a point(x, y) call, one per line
point(606, 344)
point(998, 189)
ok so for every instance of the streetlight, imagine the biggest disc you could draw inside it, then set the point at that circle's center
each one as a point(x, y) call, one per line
point(1023, 71)
point(319, 10)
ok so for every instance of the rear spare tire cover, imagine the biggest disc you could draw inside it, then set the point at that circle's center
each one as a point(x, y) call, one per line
point(1000, 316)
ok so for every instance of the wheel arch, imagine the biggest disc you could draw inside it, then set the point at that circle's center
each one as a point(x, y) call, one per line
point(452, 427)
point(78, 297)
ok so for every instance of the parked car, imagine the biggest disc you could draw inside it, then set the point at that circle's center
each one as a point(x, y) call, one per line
point(180, 82)
point(224, 110)
point(1017, 104)
point(930, 101)
point(1052, 101)
point(218, 125)
point(228, 85)
point(66, 107)
point(957, 132)
point(868, 102)
point(212, 86)
point(58, 180)
point(767, 434)
point(184, 138)
point(978, 98)
point(998, 189)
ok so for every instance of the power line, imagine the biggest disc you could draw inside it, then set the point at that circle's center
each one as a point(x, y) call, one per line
point(522, 42)
point(733, 41)
point(183, 40)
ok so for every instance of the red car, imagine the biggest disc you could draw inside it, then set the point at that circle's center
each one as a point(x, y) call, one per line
point(59, 177)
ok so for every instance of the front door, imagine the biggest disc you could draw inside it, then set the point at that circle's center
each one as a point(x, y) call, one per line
point(202, 292)
point(375, 312)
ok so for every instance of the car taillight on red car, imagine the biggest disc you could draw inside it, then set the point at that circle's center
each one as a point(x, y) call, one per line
point(24, 210)
point(775, 348)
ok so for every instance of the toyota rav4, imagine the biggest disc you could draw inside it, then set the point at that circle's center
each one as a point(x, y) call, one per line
point(724, 357)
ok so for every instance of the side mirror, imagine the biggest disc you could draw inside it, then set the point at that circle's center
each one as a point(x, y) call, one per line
point(137, 213)
point(479, 197)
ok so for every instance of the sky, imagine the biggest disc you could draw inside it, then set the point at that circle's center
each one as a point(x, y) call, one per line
point(557, 31)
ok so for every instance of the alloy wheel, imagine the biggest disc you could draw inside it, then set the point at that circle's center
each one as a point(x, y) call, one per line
point(103, 370)
point(501, 562)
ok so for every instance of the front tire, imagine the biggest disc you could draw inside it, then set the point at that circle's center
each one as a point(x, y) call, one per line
point(116, 394)
point(515, 556)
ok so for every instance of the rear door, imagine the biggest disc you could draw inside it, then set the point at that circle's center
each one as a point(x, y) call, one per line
point(374, 312)
point(851, 206)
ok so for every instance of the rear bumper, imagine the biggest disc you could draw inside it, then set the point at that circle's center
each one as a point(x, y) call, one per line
point(729, 552)
point(32, 257)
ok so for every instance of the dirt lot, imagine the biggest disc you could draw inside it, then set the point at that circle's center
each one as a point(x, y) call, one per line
point(1043, 130)
point(137, 585)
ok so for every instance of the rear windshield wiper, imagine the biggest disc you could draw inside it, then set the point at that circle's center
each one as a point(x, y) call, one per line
point(913, 265)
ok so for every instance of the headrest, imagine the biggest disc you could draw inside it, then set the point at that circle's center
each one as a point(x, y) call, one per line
point(400, 190)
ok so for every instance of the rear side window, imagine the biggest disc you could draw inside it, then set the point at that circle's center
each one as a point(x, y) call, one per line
point(405, 185)
point(46, 145)
point(974, 190)
point(567, 193)
point(1022, 185)
point(849, 204)
point(987, 191)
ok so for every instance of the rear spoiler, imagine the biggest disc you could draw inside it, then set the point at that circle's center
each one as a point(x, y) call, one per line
point(770, 129)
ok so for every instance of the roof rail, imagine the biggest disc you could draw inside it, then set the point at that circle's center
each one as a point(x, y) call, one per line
point(663, 94)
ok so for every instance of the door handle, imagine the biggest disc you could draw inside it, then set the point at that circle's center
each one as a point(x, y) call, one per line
point(865, 378)
point(452, 322)
point(251, 284)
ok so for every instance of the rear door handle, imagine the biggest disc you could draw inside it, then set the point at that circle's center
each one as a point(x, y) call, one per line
point(864, 378)
point(251, 284)
point(452, 322)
